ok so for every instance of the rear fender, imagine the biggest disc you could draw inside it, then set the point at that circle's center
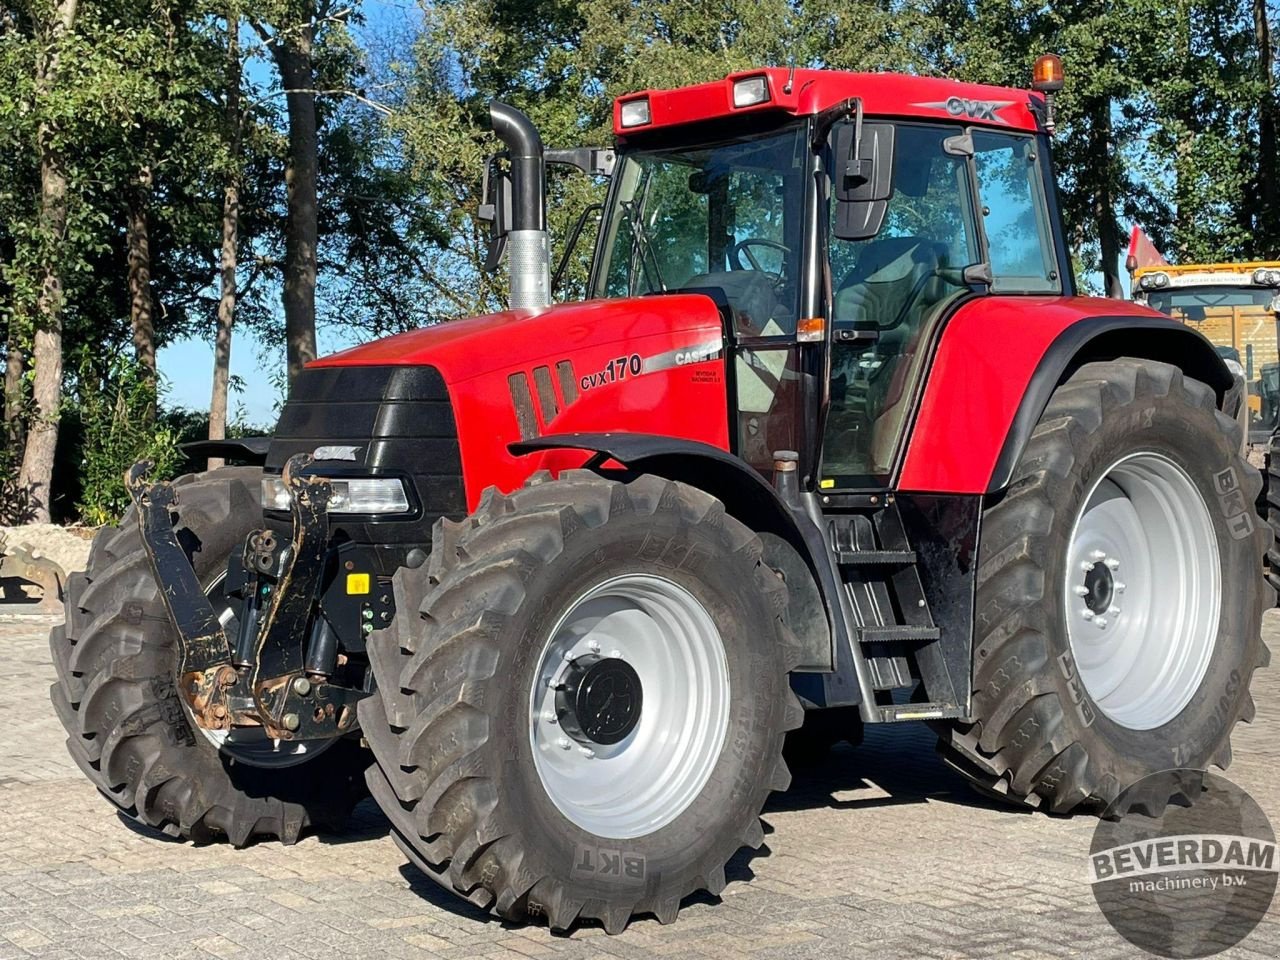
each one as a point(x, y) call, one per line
point(998, 363)
point(746, 496)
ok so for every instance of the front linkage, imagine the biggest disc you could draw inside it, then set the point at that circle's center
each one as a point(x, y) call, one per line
point(277, 671)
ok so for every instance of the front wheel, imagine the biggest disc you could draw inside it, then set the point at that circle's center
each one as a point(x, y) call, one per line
point(582, 703)
point(128, 729)
point(1120, 595)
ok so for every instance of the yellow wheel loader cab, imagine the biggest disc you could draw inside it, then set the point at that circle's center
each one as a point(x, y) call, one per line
point(1236, 307)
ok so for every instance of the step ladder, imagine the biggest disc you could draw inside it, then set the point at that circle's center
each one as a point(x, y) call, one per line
point(899, 646)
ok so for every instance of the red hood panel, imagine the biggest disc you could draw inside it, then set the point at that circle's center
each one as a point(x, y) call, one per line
point(461, 349)
point(640, 365)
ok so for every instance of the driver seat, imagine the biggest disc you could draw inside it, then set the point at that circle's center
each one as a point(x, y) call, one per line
point(888, 278)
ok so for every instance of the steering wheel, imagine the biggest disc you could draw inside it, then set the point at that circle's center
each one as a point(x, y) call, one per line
point(742, 249)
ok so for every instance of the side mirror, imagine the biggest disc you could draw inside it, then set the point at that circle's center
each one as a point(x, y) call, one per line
point(495, 208)
point(863, 178)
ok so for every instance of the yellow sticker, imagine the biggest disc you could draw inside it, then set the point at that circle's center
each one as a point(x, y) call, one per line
point(357, 583)
point(826, 484)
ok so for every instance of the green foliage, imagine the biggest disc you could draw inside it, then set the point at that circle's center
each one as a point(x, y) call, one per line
point(113, 398)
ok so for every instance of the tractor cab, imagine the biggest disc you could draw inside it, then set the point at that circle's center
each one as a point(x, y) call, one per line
point(834, 244)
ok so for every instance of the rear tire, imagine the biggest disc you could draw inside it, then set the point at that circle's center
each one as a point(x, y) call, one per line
point(467, 758)
point(1272, 512)
point(1060, 721)
point(127, 728)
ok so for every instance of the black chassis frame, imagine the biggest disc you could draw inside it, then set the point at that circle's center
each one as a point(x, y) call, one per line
point(279, 671)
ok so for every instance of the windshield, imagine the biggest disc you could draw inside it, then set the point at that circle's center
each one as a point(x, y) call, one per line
point(724, 219)
point(1190, 303)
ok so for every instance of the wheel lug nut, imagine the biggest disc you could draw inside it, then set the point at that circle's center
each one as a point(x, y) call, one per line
point(1081, 591)
point(587, 752)
point(1087, 565)
point(567, 655)
point(1098, 554)
point(593, 646)
point(1086, 614)
point(1112, 563)
point(564, 743)
point(1100, 622)
point(1114, 611)
point(1119, 586)
point(615, 654)
point(548, 717)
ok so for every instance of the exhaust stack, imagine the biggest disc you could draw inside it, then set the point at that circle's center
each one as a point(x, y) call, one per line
point(528, 245)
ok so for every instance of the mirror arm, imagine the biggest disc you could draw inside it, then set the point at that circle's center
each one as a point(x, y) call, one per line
point(829, 117)
point(593, 161)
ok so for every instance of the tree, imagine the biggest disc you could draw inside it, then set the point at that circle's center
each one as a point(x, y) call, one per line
point(54, 25)
point(230, 235)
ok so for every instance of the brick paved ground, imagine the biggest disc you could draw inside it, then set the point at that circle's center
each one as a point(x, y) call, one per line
point(882, 854)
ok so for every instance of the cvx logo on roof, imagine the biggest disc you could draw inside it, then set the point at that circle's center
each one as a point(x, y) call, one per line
point(972, 109)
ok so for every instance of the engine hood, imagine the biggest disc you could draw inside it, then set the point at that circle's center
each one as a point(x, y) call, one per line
point(463, 349)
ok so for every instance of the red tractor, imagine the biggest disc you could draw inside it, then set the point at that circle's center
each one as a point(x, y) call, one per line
point(833, 436)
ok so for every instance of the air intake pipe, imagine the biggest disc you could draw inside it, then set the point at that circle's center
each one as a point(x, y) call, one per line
point(528, 245)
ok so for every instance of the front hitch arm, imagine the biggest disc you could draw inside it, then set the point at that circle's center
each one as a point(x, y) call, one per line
point(205, 673)
point(275, 691)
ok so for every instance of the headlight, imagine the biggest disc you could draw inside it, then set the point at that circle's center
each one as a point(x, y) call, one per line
point(1152, 281)
point(373, 495)
point(1266, 277)
point(749, 92)
point(635, 113)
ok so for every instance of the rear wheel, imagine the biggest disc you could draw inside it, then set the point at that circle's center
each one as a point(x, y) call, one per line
point(1119, 602)
point(129, 730)
point(582, 701)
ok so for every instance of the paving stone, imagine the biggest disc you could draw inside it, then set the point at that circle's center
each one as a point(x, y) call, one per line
point(882, 852)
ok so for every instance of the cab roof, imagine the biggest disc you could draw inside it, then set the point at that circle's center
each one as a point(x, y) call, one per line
point(806, 92)
point(1196, 274)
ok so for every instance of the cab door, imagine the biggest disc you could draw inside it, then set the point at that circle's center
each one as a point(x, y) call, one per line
point(967, 215)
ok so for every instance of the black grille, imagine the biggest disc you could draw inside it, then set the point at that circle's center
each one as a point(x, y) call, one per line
point(401, 422)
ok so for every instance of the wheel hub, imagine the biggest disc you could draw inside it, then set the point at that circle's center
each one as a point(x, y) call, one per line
point(599, 700)
point(1100, 590)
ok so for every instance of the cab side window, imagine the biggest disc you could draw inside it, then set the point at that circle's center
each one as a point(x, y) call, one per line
point(1014, 214)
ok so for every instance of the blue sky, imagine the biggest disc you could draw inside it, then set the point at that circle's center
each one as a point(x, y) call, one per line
point(187, 365)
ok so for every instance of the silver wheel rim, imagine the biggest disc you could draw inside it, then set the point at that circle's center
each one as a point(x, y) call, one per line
point(250, 745)
point(645, 780)
point(1143, 591)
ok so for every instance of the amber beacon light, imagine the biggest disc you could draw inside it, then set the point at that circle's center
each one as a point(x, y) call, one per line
point(1047, 78)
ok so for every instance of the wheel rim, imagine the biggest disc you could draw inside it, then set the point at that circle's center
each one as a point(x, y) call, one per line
point(250, 745)
point(1143, 591)
point(629, 706)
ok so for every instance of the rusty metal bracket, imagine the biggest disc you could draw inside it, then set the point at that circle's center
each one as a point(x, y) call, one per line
point(18, 563)
point(205, 674)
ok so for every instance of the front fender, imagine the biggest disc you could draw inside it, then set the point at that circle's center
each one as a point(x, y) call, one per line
point(998, 362)
point(792, 542)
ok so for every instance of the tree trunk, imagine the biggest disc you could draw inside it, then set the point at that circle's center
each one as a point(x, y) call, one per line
point(1102, 162)
point(230, 239)
point(14, 367)
point(36, 475)
point(141, 305)
point(293, 53)
point(1267, 223)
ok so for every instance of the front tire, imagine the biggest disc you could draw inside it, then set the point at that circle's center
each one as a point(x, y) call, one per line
point(498, 786)
point(129, 731)
point(1119, 600)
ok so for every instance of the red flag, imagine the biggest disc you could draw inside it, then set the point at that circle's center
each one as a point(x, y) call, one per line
point(1142, 252)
